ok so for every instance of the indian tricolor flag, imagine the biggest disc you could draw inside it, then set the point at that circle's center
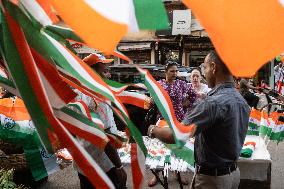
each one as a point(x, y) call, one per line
point(254, 122)
point(111, 19)
point(233, 25)
point(265, 126)
point(277, 133)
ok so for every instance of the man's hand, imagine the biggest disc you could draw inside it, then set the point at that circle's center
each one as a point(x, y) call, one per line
point(164, 134)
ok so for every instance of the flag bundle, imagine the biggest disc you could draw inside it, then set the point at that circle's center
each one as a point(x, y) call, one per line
point(268, 126)
point(36, 79)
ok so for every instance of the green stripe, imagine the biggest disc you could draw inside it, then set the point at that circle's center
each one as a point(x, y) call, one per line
point(31, 144)
point(253, 132)
point(151, 14)
point(277, 136)
point(183, 153)
point(94, 115)
point(17, 71)
point(114, 83)
point(65, 33)
point(35, 162)
point(7, 82)
point(253, 125)
point(81, 118)
point(264, 130)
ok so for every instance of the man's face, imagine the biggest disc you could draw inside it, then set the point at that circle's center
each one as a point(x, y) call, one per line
point(208, 70)
point(195, 77)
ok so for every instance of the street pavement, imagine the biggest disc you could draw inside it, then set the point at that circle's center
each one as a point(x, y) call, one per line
point(68, 179)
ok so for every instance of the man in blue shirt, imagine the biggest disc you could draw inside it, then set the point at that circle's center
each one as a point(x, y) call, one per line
point(220, 122)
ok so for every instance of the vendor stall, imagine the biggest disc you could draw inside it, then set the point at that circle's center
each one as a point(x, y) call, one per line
point(255, 170)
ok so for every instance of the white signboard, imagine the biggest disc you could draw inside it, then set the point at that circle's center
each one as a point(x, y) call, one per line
point(181, 22)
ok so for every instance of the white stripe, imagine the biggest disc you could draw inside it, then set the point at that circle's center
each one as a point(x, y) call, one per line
point(254, 120)
point(248, 147)
point(78, 68)
point(278, 128)
point(281, 2)
point(264, 122)
point(117, 89)
point(53, 97)
point(80, 125)
point(133, 94)
point(91, 160)
point(133, 25)
point(36, 11)
point(189, 145)
point(114, 10)
point(97, 121)
point(62, 28)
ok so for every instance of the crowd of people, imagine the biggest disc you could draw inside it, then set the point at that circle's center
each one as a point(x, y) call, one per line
point(217, 110)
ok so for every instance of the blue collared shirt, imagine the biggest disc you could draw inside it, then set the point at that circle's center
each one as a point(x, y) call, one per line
point(222, 122)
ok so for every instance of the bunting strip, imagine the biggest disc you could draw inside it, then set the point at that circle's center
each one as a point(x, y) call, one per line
point(82, 127)
point(137, 166)
point(84, 160)
point(117, 87)
point(13, 62)
point(135, 98)
point(52, 82)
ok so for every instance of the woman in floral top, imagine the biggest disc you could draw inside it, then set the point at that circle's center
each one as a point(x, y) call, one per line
point(182, 96)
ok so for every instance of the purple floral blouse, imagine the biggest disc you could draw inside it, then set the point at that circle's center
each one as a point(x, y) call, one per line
point(178, 92)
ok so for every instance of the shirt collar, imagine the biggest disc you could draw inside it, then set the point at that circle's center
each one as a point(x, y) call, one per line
point(227, 84)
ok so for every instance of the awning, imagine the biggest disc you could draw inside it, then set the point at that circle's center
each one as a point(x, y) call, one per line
point(133, 46)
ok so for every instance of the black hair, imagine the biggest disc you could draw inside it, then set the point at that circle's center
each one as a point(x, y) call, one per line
point(196, 68)
point(214, 57)
point(169, 64)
